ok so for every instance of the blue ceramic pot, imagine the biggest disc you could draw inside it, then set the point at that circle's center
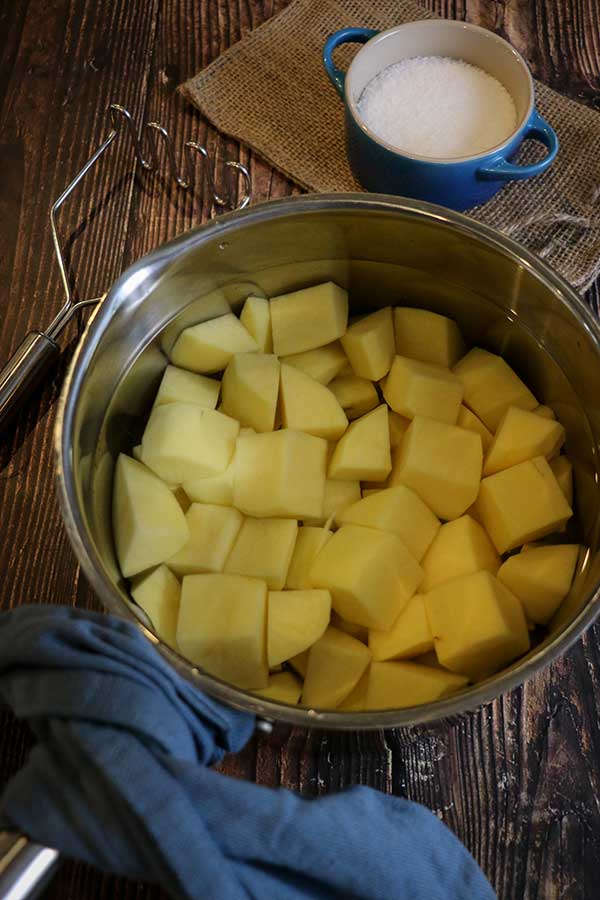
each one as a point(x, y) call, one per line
point(457, 183)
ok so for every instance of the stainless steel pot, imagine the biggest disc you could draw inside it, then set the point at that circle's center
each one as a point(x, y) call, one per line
point(386, 251)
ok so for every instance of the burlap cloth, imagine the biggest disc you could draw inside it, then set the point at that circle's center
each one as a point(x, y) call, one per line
point(270, 91)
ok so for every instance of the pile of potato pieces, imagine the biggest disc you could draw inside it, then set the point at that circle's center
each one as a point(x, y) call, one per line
point(340, 531)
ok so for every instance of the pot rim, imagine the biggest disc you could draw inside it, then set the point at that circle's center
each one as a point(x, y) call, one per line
point(89, 559)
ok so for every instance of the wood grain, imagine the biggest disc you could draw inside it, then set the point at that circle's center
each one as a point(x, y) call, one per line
point(518, 780)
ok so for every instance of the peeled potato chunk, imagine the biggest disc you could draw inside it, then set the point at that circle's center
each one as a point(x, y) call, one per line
point(356, 396)
point(216, 488)
point(397, 685)
point(478, 625)
point(158, 595)
point(281, 473)
point(337, 497)
point(222, 627)
point(183, 441)
point(491, 386)
point(410, 635)
point(309, 541)
point(415, 388)
point(181, 386)
point(209, 346)
point(250, 388)
point(467, 419)
point(398, 426)
point(148, 523)
point(308, 318)
point(357, 631)
point(459, 548)
point(263, 549)
point(335, 664)
point(299, 663)
point(363, 451)
point(442, 464)
point(256, 318)
point(562, 470)
point(427, 336)
point(322, 364)
point(397, 510)
point(369, 344)
point(541, 578)
point(295, 620)
point(521, 435)
point(213, 530)
point(307, 405)
point(283, 687)
point(522, 504)
point(371, 575)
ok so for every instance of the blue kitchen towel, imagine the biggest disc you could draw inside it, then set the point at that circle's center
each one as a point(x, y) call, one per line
point(121, 778)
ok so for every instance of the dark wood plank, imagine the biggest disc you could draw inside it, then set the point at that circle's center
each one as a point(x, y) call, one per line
point(517, 780)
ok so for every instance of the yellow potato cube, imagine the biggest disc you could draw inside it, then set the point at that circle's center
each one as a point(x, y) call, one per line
point(357, 631)
point(541, 578)
point(281, 473)
point(148, 523)
point(322, 364)
point(427, 336)
point(308, 318)
point(295, 620)
point(370, 573)
point(256, 318)
point(410, 635)
point(250, 388)
point(562, 470)
point(398, 685)
point(522, 504)
point(217, 488)
point(415, 388)
point(491, 386)
point(181, 386)
point(335, 664)
point(283, 687)
point(209, 346)
point(363, 451)
point(478, 625)
point(355, 395)
point(307, 405)
point(459, 548)
point(263, 549)
point(521, 435)
point(545, 412)
point(338, 495)
point(222, 627)
point(369, 344)
point(399, 511)
point(213, 531)
point(398, 426)
point(442, 464)
point(158, 595)
point(467, 419)
point(308, 543)
point(183, 441)
point(299, 663)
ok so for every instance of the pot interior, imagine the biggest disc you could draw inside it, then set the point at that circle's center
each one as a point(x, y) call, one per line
point(385, 252)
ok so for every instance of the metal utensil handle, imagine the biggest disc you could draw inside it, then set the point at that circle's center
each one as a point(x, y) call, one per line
point(25, 867)
point(39, 350)
point(24, 371)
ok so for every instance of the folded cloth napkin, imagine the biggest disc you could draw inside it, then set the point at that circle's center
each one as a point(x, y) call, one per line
point(120, 778)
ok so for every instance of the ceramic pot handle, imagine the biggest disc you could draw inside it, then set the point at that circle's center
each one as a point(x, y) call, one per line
point(537, 129)
point(344, 36)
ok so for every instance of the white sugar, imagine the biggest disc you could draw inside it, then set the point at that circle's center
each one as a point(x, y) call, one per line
point(434, 106)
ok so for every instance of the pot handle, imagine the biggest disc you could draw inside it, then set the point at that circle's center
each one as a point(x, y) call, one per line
point(344, 36)
point(24, 371)
point(537, 129)
point(25, 867)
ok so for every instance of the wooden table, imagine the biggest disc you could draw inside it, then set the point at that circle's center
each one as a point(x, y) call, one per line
point(518, 781)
